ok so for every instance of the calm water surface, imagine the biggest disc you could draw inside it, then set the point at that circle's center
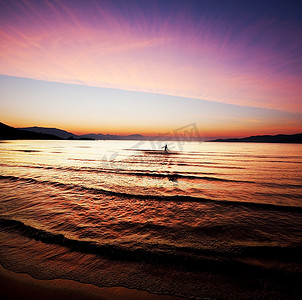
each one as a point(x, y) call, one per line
point(83, 209)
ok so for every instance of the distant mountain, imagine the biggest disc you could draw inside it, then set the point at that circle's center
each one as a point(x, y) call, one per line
point(68, 135)
point(43, 133)
point(95, 136)
point(11, 133)
point(54, 131)
point(100, 136)
point(135, 136)
point(280, 138)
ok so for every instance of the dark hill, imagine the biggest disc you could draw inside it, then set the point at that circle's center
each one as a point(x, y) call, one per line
point(280, 138)
point(11, 133)
point(70, 136)
point(53, 131)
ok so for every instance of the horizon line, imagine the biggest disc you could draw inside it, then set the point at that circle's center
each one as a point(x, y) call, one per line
point(159, 136)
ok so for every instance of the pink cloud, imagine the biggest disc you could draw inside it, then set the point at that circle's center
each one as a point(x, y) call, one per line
point(175, 56)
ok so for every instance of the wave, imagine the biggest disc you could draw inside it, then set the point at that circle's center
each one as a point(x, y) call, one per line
point(26, 150)
point(209, 165)
point(141, 173)
point(180, 255)
point(214, 154)
point(171, 176)
point(160, 152)
point(172, 198)
point(176, 176)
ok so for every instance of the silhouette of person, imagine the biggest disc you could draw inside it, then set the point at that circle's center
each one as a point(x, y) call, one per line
point(166, 148)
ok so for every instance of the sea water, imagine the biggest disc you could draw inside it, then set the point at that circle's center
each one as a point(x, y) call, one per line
point(127, 213)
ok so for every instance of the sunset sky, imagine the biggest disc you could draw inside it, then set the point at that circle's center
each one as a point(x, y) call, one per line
point(121, 67)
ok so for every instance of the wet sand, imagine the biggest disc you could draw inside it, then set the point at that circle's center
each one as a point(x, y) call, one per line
point(23, 286)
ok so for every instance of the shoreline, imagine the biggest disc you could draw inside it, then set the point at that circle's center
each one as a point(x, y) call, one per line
point(23, 286)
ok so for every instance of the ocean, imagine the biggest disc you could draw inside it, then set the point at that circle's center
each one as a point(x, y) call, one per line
point(203, 221)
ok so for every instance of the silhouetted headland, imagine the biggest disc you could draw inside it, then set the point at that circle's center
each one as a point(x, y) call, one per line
point(279, 138)
point(53, 131)
point(11, 133)
point(44, 133)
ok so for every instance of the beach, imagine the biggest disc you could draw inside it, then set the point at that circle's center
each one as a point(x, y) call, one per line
point(23, 286)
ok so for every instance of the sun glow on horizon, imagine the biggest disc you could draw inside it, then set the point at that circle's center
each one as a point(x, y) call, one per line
point(82, 110)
